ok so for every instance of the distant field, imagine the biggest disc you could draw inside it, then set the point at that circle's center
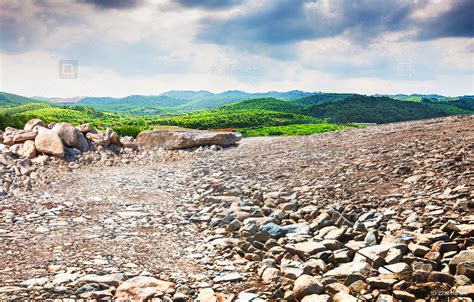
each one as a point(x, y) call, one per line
point(297, 129)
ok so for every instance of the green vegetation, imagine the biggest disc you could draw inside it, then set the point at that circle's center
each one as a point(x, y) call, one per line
point(296, 129)
point(268, 104)
point(264, 115)
point(320, 98)
point(368, 109)
point(178, 102)
point(225, 118)
point(10, 100)
point(17, 116)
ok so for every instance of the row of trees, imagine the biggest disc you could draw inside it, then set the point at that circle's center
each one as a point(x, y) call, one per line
point(218, 119)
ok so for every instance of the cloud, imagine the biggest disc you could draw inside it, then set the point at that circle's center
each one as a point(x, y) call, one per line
point(209, 4)
point(27, 24)
point(275, 23)
point(455, 22)
point(291, 21)
point(117, 4)
point(239, 44)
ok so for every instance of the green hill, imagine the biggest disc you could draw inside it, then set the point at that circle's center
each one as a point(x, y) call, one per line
point(270, 104)
point(10, 100)
point(234, 118)
point(319, 98)
point(173, 102)
point(368, 109)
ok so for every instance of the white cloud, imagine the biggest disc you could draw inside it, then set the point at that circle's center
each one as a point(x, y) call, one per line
point(152, 48)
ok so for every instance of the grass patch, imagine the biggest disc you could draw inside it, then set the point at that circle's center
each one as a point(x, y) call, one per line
point(295, 129)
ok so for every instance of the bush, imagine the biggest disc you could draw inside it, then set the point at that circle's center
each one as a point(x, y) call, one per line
point(128, 130)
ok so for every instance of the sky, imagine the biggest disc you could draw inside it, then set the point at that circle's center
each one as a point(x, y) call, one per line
point(66, 48)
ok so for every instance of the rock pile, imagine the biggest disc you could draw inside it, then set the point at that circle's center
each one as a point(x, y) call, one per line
point(390, 219)
point(36, 149)
point(58, 139)
point(376, 214)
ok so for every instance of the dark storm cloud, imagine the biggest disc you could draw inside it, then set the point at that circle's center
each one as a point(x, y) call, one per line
point(117, 4)
point(362, 21)
point(209, 4)
point(275, 23)
point(457, 22)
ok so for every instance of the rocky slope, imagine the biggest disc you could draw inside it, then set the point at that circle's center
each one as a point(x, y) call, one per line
point(382, 213)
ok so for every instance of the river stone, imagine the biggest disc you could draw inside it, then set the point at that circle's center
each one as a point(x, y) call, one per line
point(466, 269)
point(307, 285)
point(463, 256)
point(271, 274)
point(306, 249)
point(273, 230)
point(349, 268)
point(182, 139)
point(316, 298)
point(380, 250)
point(142, 288)
point(111, 279)
point(35, 282)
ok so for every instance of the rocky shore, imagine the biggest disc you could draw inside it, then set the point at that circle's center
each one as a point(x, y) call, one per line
point(376, 214)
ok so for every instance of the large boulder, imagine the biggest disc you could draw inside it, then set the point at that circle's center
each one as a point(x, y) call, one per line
point(182, 139)
point(49, 142)
point(32, 124)
point(71, 136)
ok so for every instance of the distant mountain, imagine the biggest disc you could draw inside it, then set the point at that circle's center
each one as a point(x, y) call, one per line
point(181, 101)
point(9, 100)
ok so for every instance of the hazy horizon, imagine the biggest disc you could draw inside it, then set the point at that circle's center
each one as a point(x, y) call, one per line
point(216, 92)
point(118, 48)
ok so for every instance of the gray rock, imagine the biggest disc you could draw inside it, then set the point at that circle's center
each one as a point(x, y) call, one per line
point(35, 282)
point(231, 277)
point(170, 139)
point(307, 285)
point(349, 268)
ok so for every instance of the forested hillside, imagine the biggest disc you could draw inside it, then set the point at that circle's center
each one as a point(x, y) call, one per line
point(255, 116)
point(368, 109)
point(270, 104)
point(173, 102)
